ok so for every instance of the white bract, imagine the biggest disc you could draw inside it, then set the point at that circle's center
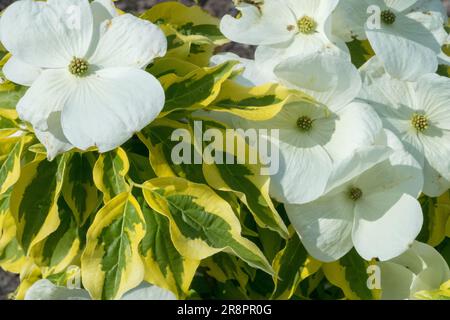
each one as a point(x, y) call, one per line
point(252, 74)
point(420, 268)
point(84, 66)
point(283, 28)
point(419, 114)
point(313, 137)
point(46, 290)
point(406, 35)
point(369, 203)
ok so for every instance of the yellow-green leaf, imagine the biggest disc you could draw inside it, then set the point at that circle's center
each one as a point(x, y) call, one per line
point(56, 252)
point(79, 190)
point(350, 274)
point(443, 293)
point(201, 223)
point(158, 139)
point(436, 214)
point(111, 264)
point(164, 265)
point(109, 173)
point(11, 254)
point(34, 200)
point(194, 23)
point(253, 103)
point(245, 180)
point(224, 267)
point(168, 65)
point(10, 164)
point(360, 51)
point(292, 265)
point(196, 90)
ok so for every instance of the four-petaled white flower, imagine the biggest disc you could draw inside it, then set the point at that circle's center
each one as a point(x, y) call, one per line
point(420, 268)
point(84, 66)
point(284, 28)
point(369, 203)
point(419, 114)
point(313, 137)
point(407, 40)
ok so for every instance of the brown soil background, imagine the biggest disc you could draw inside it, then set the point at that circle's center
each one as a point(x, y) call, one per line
point(218, 8)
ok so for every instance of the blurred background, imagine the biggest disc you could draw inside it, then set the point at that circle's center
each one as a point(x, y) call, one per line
point(218, 8)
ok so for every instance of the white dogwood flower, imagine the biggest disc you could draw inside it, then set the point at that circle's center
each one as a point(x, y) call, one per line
point(370, 204)
point(84, 67)
point(419, 114)
point(283, 28)
point(420, 268)
point(312, 137)
point(408, 41)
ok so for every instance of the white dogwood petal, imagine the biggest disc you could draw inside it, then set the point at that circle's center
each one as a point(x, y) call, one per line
point(400, 5)
point(396, 281)
point(47, 95)
point(407, 49)
point(330, 79)
point(20, 72)
point(303, 173)
point(53, 138)
point(267, 23)
point(435, 183)
point(383, 231)
point(433, 96)
point(319, 10)
point(301, 46)
point(108, 107)
point(358, 126)
point(47, 34)
point(129, 42)
point(324, 226)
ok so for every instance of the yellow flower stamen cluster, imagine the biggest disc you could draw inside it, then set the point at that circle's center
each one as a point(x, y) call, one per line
point(419, 122)
point(78, 67)
point(355, 194)
point(306, 25)
point(304, 123)
point(388, 17)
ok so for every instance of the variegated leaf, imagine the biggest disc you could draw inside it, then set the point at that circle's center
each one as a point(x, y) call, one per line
point(79, 190)
point(197, 90)
point(351, 274)
point(201, 223)
point(111, 264)
point(164, 265)
point(292, 265)
point(109, 173)
point(34, 200)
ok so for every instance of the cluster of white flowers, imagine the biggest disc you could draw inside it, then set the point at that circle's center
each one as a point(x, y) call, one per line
point(353, 166)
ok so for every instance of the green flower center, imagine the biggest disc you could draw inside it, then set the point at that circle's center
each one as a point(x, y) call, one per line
point(420, 122)
point(355, 194)
point(306, 25)
point(78, 67)
point(304, 123)
point(388, 17)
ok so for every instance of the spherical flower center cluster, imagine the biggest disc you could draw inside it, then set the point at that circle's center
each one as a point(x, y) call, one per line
point(355, 194)
point(388, 17)
point(304, 123)
point(306, 25)
point(78, 67)
point(419, 122)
